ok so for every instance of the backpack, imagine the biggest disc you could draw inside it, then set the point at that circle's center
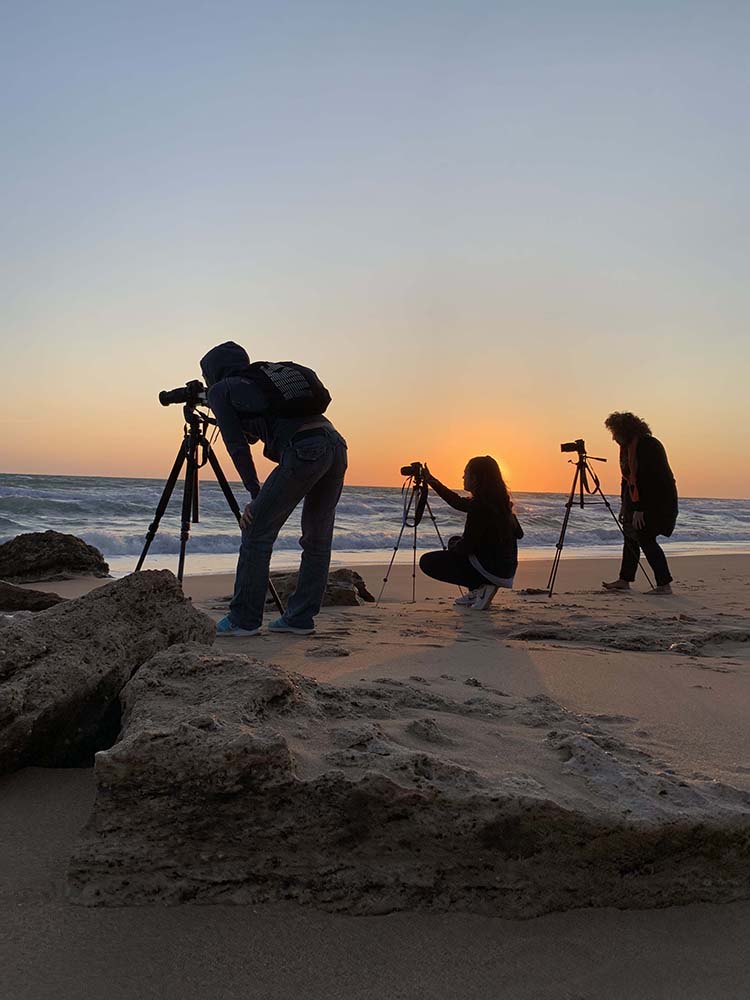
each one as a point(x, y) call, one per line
point(291, 390)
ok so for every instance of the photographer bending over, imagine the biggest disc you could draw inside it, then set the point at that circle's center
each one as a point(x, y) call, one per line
point(485, 557)
point(281, 405)
point(649, 500)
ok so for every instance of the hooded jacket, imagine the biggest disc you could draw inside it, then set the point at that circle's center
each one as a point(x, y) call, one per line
point(242, 412)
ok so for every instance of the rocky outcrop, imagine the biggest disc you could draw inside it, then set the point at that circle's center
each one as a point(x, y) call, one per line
point(62, 671)
point(237, 782)
point(345, 587)
point(20, 599)
point(49, 555)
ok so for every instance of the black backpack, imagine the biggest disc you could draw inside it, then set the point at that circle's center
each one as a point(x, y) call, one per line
point(291, 390)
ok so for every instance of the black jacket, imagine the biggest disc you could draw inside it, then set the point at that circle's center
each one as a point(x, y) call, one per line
point(487, 536)
point(657, 490)
point(241, 410)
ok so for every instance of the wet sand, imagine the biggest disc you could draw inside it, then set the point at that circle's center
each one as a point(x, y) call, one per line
point(688, 709)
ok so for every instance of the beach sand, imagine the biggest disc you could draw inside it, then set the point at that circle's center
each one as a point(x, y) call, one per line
point(603, 655)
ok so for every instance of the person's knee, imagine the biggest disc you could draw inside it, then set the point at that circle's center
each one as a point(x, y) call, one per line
point(427, 563)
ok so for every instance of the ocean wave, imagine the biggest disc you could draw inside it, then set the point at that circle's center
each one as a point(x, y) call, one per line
point(114, 514)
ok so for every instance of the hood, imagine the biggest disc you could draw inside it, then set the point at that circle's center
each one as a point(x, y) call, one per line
point(224, 360)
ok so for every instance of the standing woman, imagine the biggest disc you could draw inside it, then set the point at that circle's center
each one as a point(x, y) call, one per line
point(649, 500)
point(485, 557)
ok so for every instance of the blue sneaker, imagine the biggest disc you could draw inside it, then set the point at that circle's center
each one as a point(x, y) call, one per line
point(227, 627)
point(281, 626)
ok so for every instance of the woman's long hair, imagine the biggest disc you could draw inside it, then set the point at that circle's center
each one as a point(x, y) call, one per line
point(489, 487)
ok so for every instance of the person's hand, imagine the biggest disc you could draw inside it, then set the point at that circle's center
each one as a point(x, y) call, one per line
point(247, 517)
point(639, 520)
point(427, 474)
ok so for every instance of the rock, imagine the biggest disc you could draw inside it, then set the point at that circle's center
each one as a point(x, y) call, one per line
point(19, 599)
point(235, 781)
point(61, 673)
point(684, 646)
point(345, 588)
point(49, 555)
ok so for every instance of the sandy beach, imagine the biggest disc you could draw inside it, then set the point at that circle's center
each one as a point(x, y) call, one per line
point(686, 711)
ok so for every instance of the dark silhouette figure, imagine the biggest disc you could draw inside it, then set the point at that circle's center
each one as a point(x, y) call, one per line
point(485, 557)
point(649, 500)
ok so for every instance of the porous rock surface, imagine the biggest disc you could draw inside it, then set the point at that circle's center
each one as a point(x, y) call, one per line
point(345, 588)
point(49, 555)
point(237, 782)
point(14, 598)
point(61, 671)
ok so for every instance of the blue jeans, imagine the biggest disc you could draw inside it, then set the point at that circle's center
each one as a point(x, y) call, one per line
point(312, 469)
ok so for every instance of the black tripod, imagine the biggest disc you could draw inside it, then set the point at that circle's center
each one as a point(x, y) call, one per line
point(415, 492)
point(583, 473)
point(196, 451)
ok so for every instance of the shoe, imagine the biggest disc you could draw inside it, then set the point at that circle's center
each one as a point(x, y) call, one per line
point(616, 585)
point(466, 600)
point(663, 588)
point(281, 626)
point(227, 627)
point(484, 597)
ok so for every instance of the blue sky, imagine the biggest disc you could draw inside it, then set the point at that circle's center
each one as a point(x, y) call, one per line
point(537, 211)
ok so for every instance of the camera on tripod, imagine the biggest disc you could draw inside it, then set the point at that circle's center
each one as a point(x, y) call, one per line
point(415, 470)
point(578, 445)
point(193, 393)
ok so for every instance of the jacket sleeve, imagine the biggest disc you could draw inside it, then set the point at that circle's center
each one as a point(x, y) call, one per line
point(454, 500)
point(517, 529)
point(234, 436)
point(654, 476)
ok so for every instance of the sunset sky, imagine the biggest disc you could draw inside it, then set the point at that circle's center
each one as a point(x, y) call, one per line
point(485, 224)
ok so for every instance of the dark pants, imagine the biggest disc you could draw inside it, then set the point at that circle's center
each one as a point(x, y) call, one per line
point(645, 540)
point(312, 468)
point(451, 567)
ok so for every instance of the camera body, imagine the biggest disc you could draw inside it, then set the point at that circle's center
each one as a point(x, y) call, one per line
point(193, 393)
point(416, 469)
point(578, 445)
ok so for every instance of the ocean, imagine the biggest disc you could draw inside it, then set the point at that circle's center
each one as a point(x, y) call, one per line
point(114, 514)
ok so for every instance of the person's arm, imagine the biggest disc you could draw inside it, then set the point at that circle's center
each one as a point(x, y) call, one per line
point(234, 436)
point(454, 500)
point(517, 529)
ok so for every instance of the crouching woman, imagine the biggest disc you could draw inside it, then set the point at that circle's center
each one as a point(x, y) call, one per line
point(485, 557)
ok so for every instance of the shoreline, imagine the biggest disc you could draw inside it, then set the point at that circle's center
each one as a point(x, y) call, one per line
point(574, 574)
point(284, 559)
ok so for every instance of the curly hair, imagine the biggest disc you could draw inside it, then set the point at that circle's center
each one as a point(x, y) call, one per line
point(626, 425)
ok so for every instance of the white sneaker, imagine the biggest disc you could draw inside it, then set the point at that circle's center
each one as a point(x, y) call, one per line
point(484, 597)
point(466, 600)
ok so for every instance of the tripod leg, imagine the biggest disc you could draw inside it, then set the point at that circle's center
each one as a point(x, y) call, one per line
point(561, 539)
point(414, 567)
point(187, 510)
point(196, 498)
point(435, 525)
point(163, 504)
point(226, 489)
point(395, 547)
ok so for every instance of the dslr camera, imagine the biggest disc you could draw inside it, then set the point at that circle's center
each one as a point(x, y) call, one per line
point(193, 393)
point(578, 445)
point(415, 470)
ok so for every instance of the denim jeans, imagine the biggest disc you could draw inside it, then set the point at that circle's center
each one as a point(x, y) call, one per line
point(311, 469)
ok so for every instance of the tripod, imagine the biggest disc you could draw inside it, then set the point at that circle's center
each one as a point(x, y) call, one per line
point(418, 491)
point(581, 477)
point(196, 451)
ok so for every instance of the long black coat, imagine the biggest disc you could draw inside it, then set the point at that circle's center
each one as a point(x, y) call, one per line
point(657, 490)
